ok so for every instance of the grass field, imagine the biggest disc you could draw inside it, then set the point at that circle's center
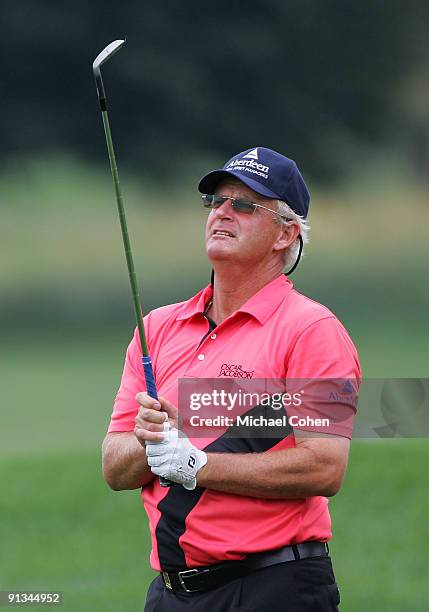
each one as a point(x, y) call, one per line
point(62, 528)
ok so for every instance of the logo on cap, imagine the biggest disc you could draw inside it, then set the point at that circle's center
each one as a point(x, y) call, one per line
point(249, 164)
point(253, 154)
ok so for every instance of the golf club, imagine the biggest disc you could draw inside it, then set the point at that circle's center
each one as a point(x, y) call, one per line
point(146, 360)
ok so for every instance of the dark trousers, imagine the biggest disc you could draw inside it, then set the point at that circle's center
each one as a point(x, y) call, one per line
point(307, 585)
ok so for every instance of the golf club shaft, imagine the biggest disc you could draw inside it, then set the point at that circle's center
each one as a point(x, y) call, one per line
point(146, 360)
point(125, 237)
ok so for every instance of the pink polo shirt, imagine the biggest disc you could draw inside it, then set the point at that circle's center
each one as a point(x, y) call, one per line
point(277, 333)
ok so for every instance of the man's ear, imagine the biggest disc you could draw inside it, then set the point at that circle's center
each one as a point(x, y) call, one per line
point(287, 236)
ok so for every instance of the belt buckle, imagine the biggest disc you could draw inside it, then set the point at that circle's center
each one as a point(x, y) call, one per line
point(167, 580)
point(186, 574)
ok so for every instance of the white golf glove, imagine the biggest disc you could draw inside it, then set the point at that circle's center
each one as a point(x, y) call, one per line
point(175, 458)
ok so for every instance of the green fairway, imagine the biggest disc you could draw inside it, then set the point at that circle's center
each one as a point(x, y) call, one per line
point(380, 527)
point(63, 529)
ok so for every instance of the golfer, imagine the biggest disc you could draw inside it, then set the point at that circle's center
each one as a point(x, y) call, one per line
point(244, 524)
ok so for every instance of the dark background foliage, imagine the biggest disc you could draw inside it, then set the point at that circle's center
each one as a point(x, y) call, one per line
point(301, 76)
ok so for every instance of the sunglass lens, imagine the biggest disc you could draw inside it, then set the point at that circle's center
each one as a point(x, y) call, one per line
point(244, 206)
point(218, 200)
point(207, 200)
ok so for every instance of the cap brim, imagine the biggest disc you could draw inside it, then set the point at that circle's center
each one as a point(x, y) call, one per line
point(210, 181)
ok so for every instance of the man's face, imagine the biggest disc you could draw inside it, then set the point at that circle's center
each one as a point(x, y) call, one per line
point(251, 238)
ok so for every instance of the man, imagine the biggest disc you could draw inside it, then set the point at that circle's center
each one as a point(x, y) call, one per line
point(244, 524)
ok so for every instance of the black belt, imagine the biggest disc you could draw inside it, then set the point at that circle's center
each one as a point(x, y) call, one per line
point(204, 578)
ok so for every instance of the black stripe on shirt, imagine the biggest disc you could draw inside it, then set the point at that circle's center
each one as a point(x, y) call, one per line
point(178, 503)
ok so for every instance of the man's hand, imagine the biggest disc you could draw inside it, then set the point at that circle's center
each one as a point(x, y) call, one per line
point(169, 453)
point(150, 419)
point(176, 459)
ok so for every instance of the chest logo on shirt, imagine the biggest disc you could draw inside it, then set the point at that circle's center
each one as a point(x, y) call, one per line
point(234, 371)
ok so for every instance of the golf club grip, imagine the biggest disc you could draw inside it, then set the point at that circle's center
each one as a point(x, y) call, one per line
point(149, 376)
point(151, 389)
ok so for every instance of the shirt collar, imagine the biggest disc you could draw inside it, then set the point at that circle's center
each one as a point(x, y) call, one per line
point(261, 305)
point(196, 305)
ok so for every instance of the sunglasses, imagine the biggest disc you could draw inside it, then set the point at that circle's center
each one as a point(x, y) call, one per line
point(241, 205)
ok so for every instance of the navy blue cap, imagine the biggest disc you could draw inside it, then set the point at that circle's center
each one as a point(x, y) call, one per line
point(268, 173)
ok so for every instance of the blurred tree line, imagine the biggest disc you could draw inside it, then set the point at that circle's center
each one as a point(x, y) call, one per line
point(199, 78)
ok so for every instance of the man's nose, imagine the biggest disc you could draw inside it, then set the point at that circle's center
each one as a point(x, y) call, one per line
point(225, 209)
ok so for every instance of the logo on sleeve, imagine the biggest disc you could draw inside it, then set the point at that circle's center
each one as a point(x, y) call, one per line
point(347, 388)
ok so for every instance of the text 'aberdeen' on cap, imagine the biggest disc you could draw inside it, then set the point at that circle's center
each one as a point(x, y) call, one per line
point(268, 173)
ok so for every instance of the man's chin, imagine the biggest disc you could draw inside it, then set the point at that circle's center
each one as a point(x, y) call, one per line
point(215, 254)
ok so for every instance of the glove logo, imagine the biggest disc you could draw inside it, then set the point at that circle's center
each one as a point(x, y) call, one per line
point(192, 461)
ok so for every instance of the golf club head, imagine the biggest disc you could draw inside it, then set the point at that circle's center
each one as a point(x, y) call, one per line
point(106, 53)
point(98, 62)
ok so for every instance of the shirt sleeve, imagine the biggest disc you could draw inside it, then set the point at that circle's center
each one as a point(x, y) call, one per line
point(125, 407)
point(323, 367)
